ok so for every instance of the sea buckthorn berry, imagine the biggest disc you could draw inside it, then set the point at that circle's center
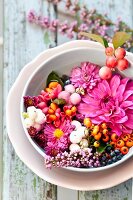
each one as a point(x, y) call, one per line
point(52, 117)
point(50, 111)
point(53, 106)
point(124, 137)
point(87, 122)
point(105, 138)
point(124, 150)
point(68, 112)
point(96, 128)
point(105, 131)
point(104, 126)
point(120, 53)
point(120, 143)
point(105, 72)
point(111, 62)
point(129, 143)
point(96, 144)
point(113, 144)
point(48, 90)
point(109, 51)
point(122, 64)
point(114, 137)
point(53, 85)
point(73, 109)
point(98, 136)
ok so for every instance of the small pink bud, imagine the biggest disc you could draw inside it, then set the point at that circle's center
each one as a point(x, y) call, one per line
point(64, 95)
point(75, 98)
point(42, 105)
point(45, 110)
point(105, 72)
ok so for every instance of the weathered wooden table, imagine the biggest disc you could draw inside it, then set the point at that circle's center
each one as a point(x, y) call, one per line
point(21, 44)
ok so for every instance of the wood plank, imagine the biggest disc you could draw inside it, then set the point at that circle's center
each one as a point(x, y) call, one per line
point(1, 92)
point(22, 43)
point(66, 194)
point(120, 192)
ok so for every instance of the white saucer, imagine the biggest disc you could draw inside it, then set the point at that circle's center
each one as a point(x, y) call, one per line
point(26, 152)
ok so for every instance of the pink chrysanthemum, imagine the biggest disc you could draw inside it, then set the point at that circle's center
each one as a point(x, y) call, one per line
point(112, 102)
point(86, 76)
point(57, 138)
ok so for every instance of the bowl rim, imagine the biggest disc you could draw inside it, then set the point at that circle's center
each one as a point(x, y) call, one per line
point(36, 146)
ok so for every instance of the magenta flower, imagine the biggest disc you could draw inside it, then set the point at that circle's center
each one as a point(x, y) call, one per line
point(85, 76)
point(57, 138)
point(112, 102)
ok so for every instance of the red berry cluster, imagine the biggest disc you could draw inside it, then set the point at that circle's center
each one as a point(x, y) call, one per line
point(115, 58)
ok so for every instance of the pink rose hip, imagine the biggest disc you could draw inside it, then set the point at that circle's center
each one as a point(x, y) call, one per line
point(111, 62)
point(75, 98)
point(105, 72)
point(120, 53)
point(109, 51)
point(122, 64)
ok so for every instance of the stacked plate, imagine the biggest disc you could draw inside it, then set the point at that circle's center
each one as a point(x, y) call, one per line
point(28, 153)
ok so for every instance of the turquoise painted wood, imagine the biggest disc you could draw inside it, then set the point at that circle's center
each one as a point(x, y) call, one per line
point(22, 42)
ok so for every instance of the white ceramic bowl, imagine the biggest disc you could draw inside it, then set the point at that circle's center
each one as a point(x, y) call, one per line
point(63, 63)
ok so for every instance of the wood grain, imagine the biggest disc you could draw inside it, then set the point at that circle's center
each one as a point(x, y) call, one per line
point(22, 44)
point(1, 91)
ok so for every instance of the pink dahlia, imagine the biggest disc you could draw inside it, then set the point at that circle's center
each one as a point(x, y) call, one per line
point(57, 138)
point(112, 102)
point(86, 76)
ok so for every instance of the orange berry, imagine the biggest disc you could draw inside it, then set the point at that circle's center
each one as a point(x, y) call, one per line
point(50, 111)
point(105, 131)
point(53, 85)
point(124, 150)
point(114, 137)
point(113, 144)
point(104, 126)
point(120, 143)
point(98, 136)
point(105, 138)
point(53, 106)
point(48, 90)
point(68, 112)
point(73, 109)
point(129, 143)
point(52, 117)
point(124, 137)
point(87, 122)
point(95, 130)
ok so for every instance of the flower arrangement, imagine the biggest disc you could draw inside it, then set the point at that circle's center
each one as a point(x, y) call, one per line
point(83, 19)
point(84, 119)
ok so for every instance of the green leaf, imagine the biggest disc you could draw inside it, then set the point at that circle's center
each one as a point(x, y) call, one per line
point(95, 37)
point(59, 101)
point(120, 38)
point(102, 147)
point(53, 76)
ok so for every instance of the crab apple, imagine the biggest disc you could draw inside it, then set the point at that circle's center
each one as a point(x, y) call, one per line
point(109, 51)
point(111, 62)
point(122, 64)
point(120, 53)
point(105, 72)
